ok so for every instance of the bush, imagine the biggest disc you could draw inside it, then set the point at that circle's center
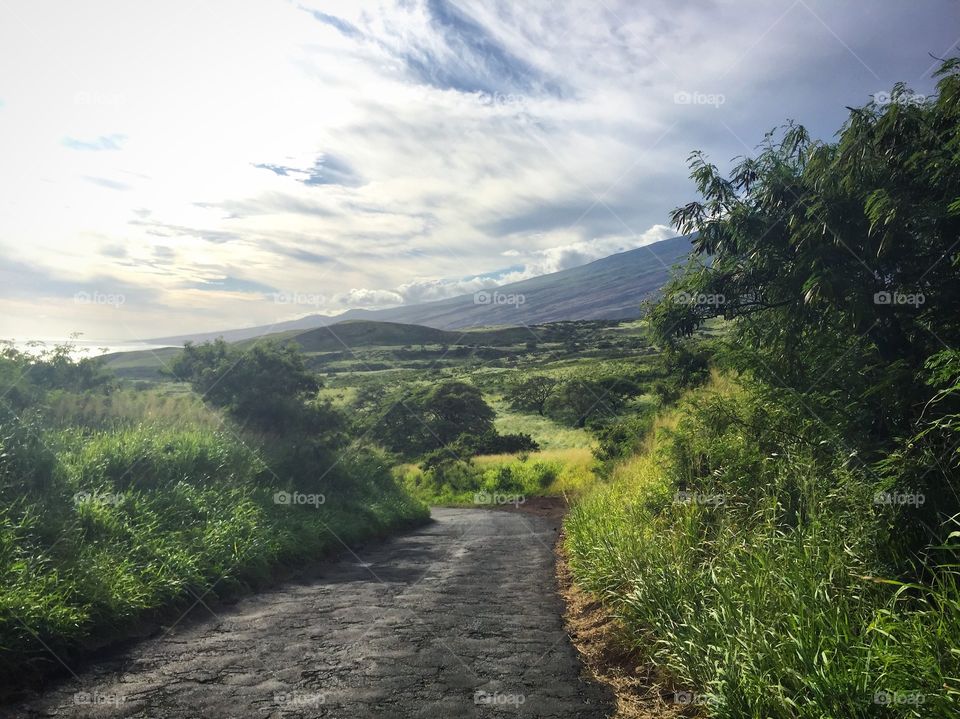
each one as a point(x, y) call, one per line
point(26, 462)
point(424, 419)
point(450, 481)
point(622, 438)
point(492, 442)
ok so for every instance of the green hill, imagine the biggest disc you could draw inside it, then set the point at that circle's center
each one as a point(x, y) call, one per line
point(355, 335)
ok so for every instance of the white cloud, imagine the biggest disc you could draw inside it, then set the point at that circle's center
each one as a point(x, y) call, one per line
point(427, 290)
point(366, 298)
point(581, 252)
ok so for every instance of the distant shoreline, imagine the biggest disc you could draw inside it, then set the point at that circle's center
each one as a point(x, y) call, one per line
point(81, 347)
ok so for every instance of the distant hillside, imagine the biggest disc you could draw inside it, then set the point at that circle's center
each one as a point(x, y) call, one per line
point(356, 334)
point(359, 333)
point(347, 337)
point(609, 288)
point(141, 364)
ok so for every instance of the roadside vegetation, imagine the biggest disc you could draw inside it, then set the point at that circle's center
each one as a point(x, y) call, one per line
point(123, 506)
point(782, 541)
point(126, 495)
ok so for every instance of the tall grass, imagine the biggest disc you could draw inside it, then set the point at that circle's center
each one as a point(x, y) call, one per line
point(758, 587)
point(549, 433)
point(116, 525)
point(127, 407)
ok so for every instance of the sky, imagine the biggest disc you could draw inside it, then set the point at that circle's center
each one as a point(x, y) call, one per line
point(173, 167)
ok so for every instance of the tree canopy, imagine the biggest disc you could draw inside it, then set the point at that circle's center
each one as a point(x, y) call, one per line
point(266, 387)
point(838, 264)
point(432, 417)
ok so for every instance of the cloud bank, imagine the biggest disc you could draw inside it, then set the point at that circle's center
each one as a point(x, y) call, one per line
point(366, 154)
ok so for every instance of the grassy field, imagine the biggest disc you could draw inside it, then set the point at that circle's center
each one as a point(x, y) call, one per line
point(368, 349)
point(551, 434)
point(564, 462)
point(171, 404)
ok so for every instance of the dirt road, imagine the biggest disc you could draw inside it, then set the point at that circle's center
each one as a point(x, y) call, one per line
point(456, 619)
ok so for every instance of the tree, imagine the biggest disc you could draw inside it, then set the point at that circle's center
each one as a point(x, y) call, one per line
point(838, 260)
point(837, 263)
point(266, 387)
point(681, 365)
point(430, 418)
point(455, 408)
point(580, 399)
point(531, 393)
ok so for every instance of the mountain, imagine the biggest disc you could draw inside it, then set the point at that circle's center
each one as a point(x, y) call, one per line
point(609, 288)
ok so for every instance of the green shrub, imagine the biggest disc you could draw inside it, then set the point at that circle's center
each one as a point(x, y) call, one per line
point(621, 438)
